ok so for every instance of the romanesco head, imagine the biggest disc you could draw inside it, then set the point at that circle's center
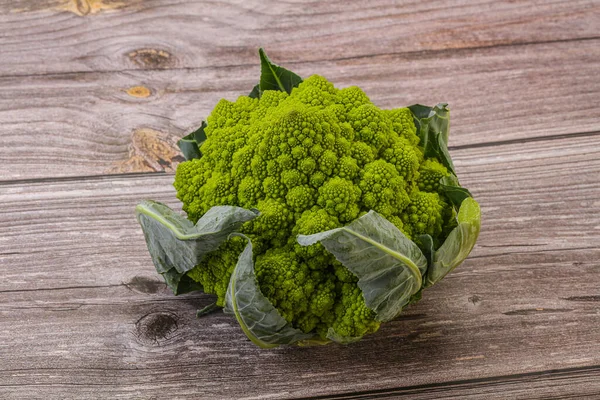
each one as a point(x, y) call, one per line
point(430, 173)
point(310, 161)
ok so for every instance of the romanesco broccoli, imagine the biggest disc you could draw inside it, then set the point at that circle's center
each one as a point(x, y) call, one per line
point(310, 161)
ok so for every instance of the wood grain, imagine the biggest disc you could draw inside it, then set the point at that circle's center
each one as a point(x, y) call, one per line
point(87, 124)
point(50, 36)
point(84, 314)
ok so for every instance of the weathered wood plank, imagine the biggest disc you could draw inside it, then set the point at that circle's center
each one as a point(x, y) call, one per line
point(141, 343)
point(84, 314)
point(86, 124)
point(569, 383)
point(119, 35)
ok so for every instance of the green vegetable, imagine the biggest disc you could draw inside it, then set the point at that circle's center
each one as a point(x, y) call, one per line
point(312, 214)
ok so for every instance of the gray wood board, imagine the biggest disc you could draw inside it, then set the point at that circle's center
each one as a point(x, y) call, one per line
point(48, 36)
point(84, 315)
point(87, 124)
point(568, 383)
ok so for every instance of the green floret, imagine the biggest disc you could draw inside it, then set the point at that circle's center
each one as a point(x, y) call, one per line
point(227, 114)
point(347, 132)
point(425, 214)
point(328, 161)
point(313, 221)
point(225, 143)
point(250, 191)
point(285, 281)
point(292, 178)
point(269, 99)
point(403, 124)
point(383, 189)
point(214, 271)
point(274, 188)
point(340, 197)
point(397, 221)
point(241, 161)
point(342, 273)
point(362, 153)
point(307, 166)
point(295, 289)
point(317, 179)
point(301, 198)
point(371, 125)
point(218, 190)
point(274, 222)
point(189, 178)
point(430, 173)
point(352, 316)
point(352, 97)
point(347, 168)
point(405, 157)
point(315, 82)
point(314, 96)
point(342, 146)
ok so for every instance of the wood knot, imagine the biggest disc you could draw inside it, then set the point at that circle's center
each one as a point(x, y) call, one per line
point(151, 58)
point(149, 151)
point(474, 299)
point(156, 327)
point(142, 284)
point(86, 7)
point(139, 91)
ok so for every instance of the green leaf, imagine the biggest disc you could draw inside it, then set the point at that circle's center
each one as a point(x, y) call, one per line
point(433, 127)
point(189, 147)
point(274, 77)
point(180, 283)
point(458, 244)
point(255, 93)
point(190, 144)
point(259, 319)
point(176, 245)
point(454, 192)
point(425, 243)
point(199, 135)
point(388, 265)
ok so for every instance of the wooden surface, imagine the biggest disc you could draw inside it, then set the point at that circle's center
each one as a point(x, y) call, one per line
point(94, 95)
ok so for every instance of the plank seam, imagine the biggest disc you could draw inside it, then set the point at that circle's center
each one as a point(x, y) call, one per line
point(524, 140)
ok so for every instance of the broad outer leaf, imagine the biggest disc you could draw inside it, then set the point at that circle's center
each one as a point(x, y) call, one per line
point(259, 319)
point(190, 144)
point(458, 244)
point(454, 192)
point(274, 77)
point(176, 245)
point(388, 265)
point(433, 127)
